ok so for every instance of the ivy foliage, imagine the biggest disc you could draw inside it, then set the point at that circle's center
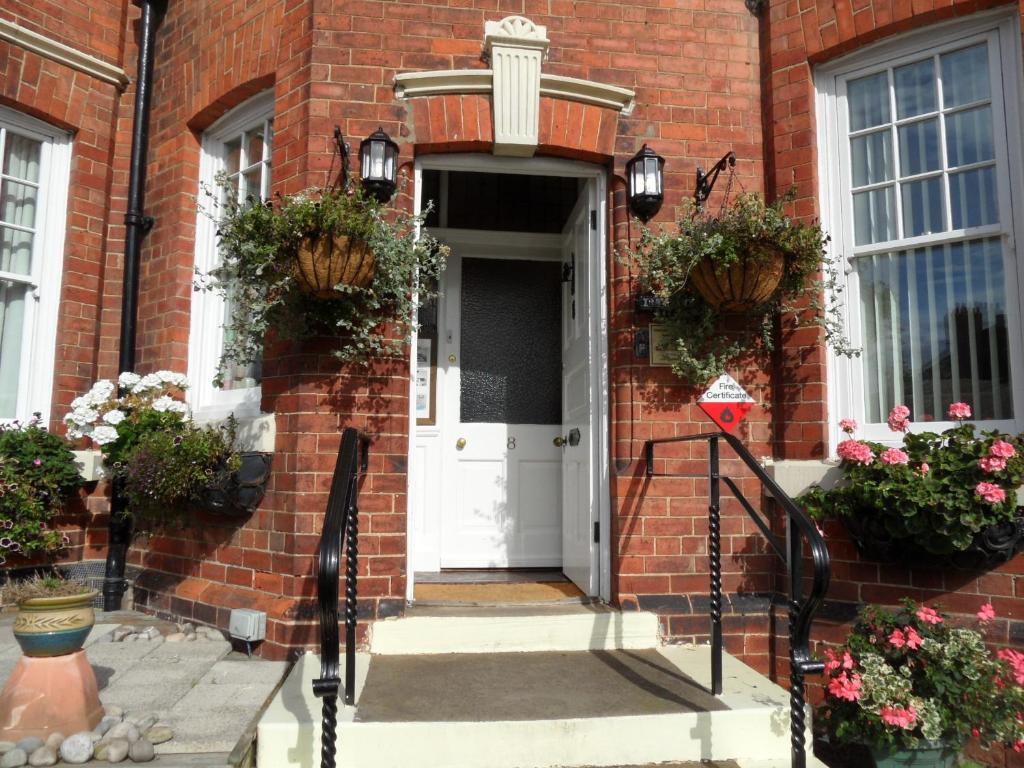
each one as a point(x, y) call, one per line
point(706, 341)
point(259, 243)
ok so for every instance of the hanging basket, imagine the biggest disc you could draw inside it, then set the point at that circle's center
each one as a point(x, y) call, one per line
point(325, 260)
point(748, 283)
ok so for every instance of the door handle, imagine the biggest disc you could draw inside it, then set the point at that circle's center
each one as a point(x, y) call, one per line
point(559, 441)
point(460, 443)
point(574, 437)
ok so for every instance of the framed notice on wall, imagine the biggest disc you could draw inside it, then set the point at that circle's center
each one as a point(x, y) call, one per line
point(425, 369)
point(660, 341)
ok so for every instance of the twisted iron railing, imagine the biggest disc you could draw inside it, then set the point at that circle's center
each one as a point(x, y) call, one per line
point(341, 521)
point(799, 528)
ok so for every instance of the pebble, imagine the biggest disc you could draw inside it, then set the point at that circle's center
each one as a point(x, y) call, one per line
point(96, 738)
point(214, 634)
point(120, 634)
point(158, 734)
point(29, 744)
point(188, 627)
point(116, 750)
point(114, 711)
point(45, 755)
point(123, 730)
point(145, 722)
point(106, 724)
point(175, 637)
point(14, 759)
point(190, 638)
point(6, 746)
point(130, 638)
point(54, 739)
point(152, 633)
point(141, 751)
point(77, 749)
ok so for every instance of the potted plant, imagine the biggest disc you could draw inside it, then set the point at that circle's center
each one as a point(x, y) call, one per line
point(38, 475)
point(151, 445)
point(54, 614)
point(914, 689)
point(324, 262)
point(724, 280)
point(951, 494)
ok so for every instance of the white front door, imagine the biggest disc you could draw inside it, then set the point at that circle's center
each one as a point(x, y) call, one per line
point(579, 492)
point(501, 347)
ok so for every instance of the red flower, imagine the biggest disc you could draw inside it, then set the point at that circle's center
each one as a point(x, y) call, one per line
point(987, 612)
point(845, 686)
point(928, 615)
point(959, 411)
point(898, 716)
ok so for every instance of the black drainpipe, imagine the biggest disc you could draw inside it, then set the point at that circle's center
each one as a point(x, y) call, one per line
point(137, 224)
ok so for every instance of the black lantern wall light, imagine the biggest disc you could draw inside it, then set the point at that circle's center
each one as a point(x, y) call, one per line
point(378, 163)
point(645, 181)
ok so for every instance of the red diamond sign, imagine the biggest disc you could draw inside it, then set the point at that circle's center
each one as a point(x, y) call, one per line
point(726, 402)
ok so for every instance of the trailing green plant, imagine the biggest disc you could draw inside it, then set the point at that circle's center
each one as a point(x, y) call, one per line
point(748, 231)
point(42, 585)
point(908, 678)
point(38, 474)
point(937, 491)
point(259, 242)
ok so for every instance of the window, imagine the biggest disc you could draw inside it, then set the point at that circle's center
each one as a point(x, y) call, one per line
point(236, 148)
point(921, 179)
point(34, 166)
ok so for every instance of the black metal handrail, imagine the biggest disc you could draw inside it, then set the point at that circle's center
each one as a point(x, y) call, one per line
point(340, 522)
point(799, 528)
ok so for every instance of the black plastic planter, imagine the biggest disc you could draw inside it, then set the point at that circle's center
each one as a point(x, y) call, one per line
point(239, 493)
point(991, 547)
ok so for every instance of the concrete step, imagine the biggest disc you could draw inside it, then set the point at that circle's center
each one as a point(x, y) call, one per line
point(520, 628)
point(550, 709)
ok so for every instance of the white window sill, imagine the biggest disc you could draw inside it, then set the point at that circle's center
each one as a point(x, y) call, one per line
point(255, 431)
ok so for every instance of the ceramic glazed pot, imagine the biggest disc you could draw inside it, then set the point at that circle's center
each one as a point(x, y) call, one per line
point(925, 756)
point(54, 626)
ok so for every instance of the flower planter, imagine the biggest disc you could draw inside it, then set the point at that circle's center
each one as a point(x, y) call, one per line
point(54, 626)
point(239, 493)
point(925, 756)
point(748, 283)
point(324, 261)
point(991, 547)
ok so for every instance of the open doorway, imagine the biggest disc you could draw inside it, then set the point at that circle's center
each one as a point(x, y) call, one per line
point(508, 459)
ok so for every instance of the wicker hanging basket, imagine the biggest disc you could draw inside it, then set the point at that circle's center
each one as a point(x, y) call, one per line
point(748, 283)
point(324, 261)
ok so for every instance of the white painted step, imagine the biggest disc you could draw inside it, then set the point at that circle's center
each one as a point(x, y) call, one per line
point(588, 628)
point(753, 730)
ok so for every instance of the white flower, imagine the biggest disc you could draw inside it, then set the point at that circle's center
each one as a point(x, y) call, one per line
point(74, 434)
point(79, 402)
point(173, 378)
point(101, 391)
point(148, 382)
point(177, 406)
point(163, 404)
point(114, 417)
point(82, 416)
point(104, 434)
point(128, 379)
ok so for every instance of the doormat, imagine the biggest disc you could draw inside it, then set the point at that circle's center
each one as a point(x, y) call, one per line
point(535, 592)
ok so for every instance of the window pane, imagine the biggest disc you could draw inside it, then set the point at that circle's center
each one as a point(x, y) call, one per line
point(973, 198)
point(21, 157)
point(872, 158)
point(15, 251)
point(868, 98)
point(934, 331)
point(874, 215)
point(511, 342)
point(922, 207)
point(18, 204)
point(255, 154)
point(915, 88)
point(12, 318)
point(969, 137)
point(919, 147)
point(238, 376)
point(233, 156)
point(965, 76)
point(251, 182)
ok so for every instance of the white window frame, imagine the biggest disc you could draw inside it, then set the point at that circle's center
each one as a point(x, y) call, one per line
point(39, 339)
point(206, 337)
point(1001, 29)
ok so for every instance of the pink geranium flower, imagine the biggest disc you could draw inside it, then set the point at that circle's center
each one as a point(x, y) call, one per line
point(1002, 449)
point(848, 426)
point(959, 411)
point(855, 451)
point(898, 716)
point(897, 639)
point(925, 469)
point(987, 612)
point(990, 492)
point(990, 464)
point(899, 419)
point(913, 639)
point(1016, 661)
point(894, 456)
point(928, 615)
point(845, 686)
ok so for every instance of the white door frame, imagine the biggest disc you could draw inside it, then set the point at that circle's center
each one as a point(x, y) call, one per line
point(538, 166)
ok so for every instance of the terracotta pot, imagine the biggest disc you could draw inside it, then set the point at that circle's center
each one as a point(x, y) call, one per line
point(925, 756)
point(54, 626)
point(324, 261)
point(749, 282)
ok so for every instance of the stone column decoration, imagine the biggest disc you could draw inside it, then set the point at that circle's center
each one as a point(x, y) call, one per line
point(515, 47)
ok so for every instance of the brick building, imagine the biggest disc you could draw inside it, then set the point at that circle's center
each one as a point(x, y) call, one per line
point(897, 122)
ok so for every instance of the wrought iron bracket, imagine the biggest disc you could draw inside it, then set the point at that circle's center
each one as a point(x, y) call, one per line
point(706, 181)
point(343, 153)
